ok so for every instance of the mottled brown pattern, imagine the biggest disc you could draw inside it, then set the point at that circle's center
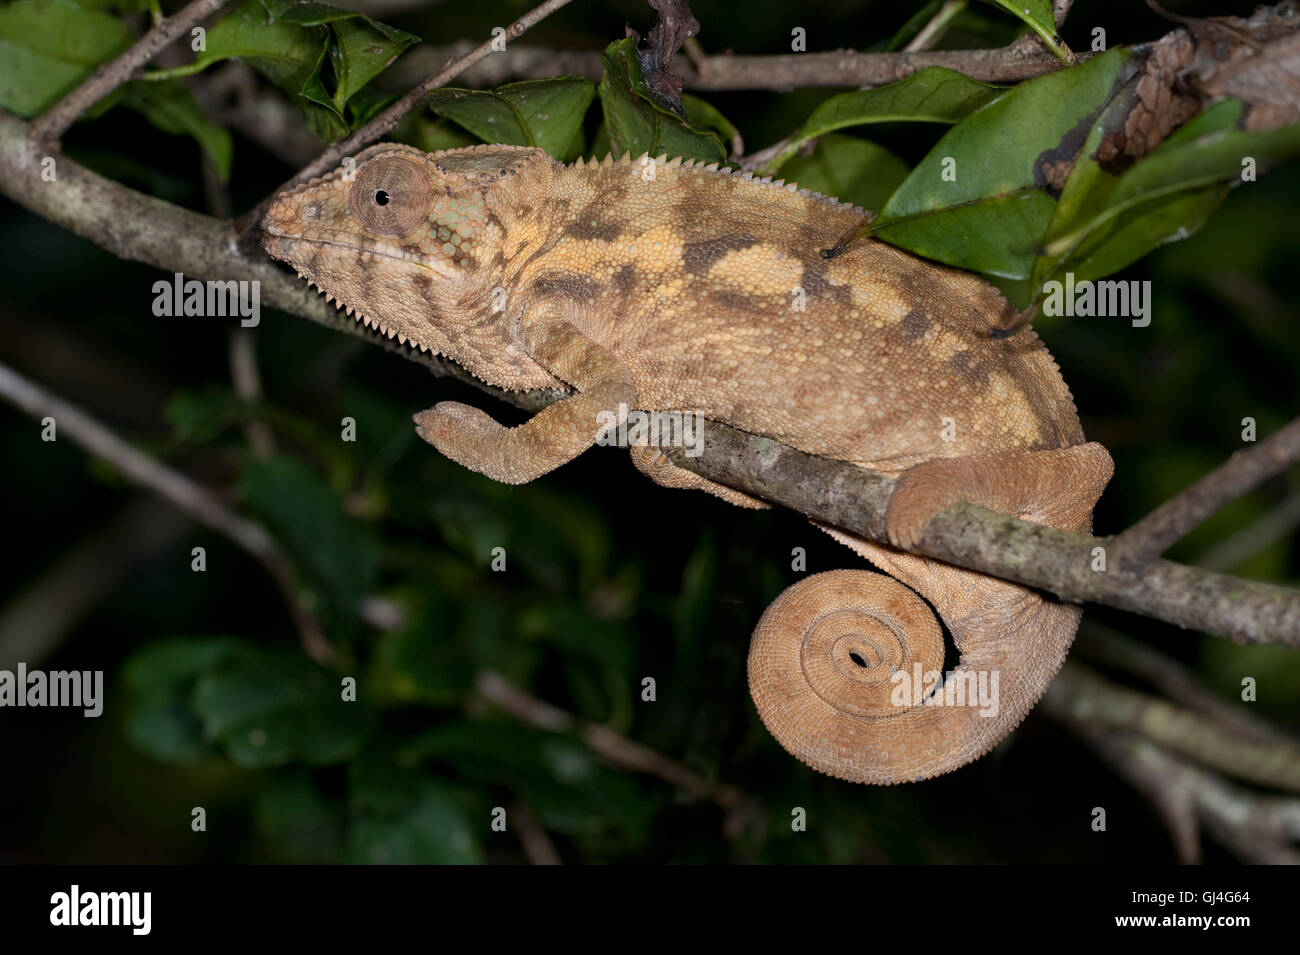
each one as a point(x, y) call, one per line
point(698, 256)
point(664, 285)
point(814, 282)
point(568, 285)
point(625, 279)
point(605, 231)
point(915, 324)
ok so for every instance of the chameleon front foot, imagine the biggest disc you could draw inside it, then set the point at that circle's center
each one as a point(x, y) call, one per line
point(467, 435)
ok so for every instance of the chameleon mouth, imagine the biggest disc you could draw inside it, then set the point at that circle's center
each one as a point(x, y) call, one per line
point(286, 247)
point(280, 252)
point(362, 319)
point(290, 249)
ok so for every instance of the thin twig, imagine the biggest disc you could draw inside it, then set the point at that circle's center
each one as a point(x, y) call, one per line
point(930, 34)
point(47, 129)
point(617, 749)
point(1081, 696)
point(1256, 828)
point(177, 489)
point(246, 379)
point(1023, 59)
point(1158, 531)
point(1102, 645)
point(1276, 524)
point(537, 845)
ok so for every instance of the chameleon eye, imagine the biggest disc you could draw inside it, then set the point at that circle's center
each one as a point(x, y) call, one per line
point(391, 196)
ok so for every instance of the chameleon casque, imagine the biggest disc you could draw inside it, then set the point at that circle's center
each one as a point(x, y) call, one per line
point(668, 285)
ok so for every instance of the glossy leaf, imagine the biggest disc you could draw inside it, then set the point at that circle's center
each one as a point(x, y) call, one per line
point(982, 198)
point(1110, 221)
point(171, 107)
point(297, 818)
point(268, 708)
point(1037, 15)
point(404, 816)
point(849, 169)
point(47, 47)
point(336, 555)
point(543, 113)
point(319, 54)
point(637, 123)
point(933, 95)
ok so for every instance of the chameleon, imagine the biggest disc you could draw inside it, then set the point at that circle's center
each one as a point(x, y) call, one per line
point(664, 284)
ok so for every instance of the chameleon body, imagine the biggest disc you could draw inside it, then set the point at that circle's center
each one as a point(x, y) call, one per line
point(668, 285)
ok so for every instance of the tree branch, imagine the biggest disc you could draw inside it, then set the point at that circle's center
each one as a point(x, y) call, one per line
point(1081, 697)
point(846, 496)
point(139, 227)
point(1021, 60)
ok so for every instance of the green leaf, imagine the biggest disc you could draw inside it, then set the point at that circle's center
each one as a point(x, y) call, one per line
point(161, 677)
point(981, 199)
point(1104, 221)
point(704, 115)
point(934, 95)
point(555, 774)
point(421, 661)
point(1037, 15)
point(297, 819)
point(199, 416)
point(268, 707)
point(471, 525)
point(336, 556)
point(543, 113)
point(363, 49)
point(47, 47)
point(431, 135)
point(850, 169)
point(165, 729)
point(172, 108)
point(287, 54)
point(173, 665)
point(402, 816)
point(320, 55)
point(637, 123)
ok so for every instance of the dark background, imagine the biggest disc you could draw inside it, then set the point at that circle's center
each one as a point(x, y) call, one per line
point(611, 578)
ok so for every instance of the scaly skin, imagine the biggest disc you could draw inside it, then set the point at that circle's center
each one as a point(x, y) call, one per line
point(664, 285)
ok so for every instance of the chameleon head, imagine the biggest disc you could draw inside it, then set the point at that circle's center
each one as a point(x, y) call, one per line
point(393, 235)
